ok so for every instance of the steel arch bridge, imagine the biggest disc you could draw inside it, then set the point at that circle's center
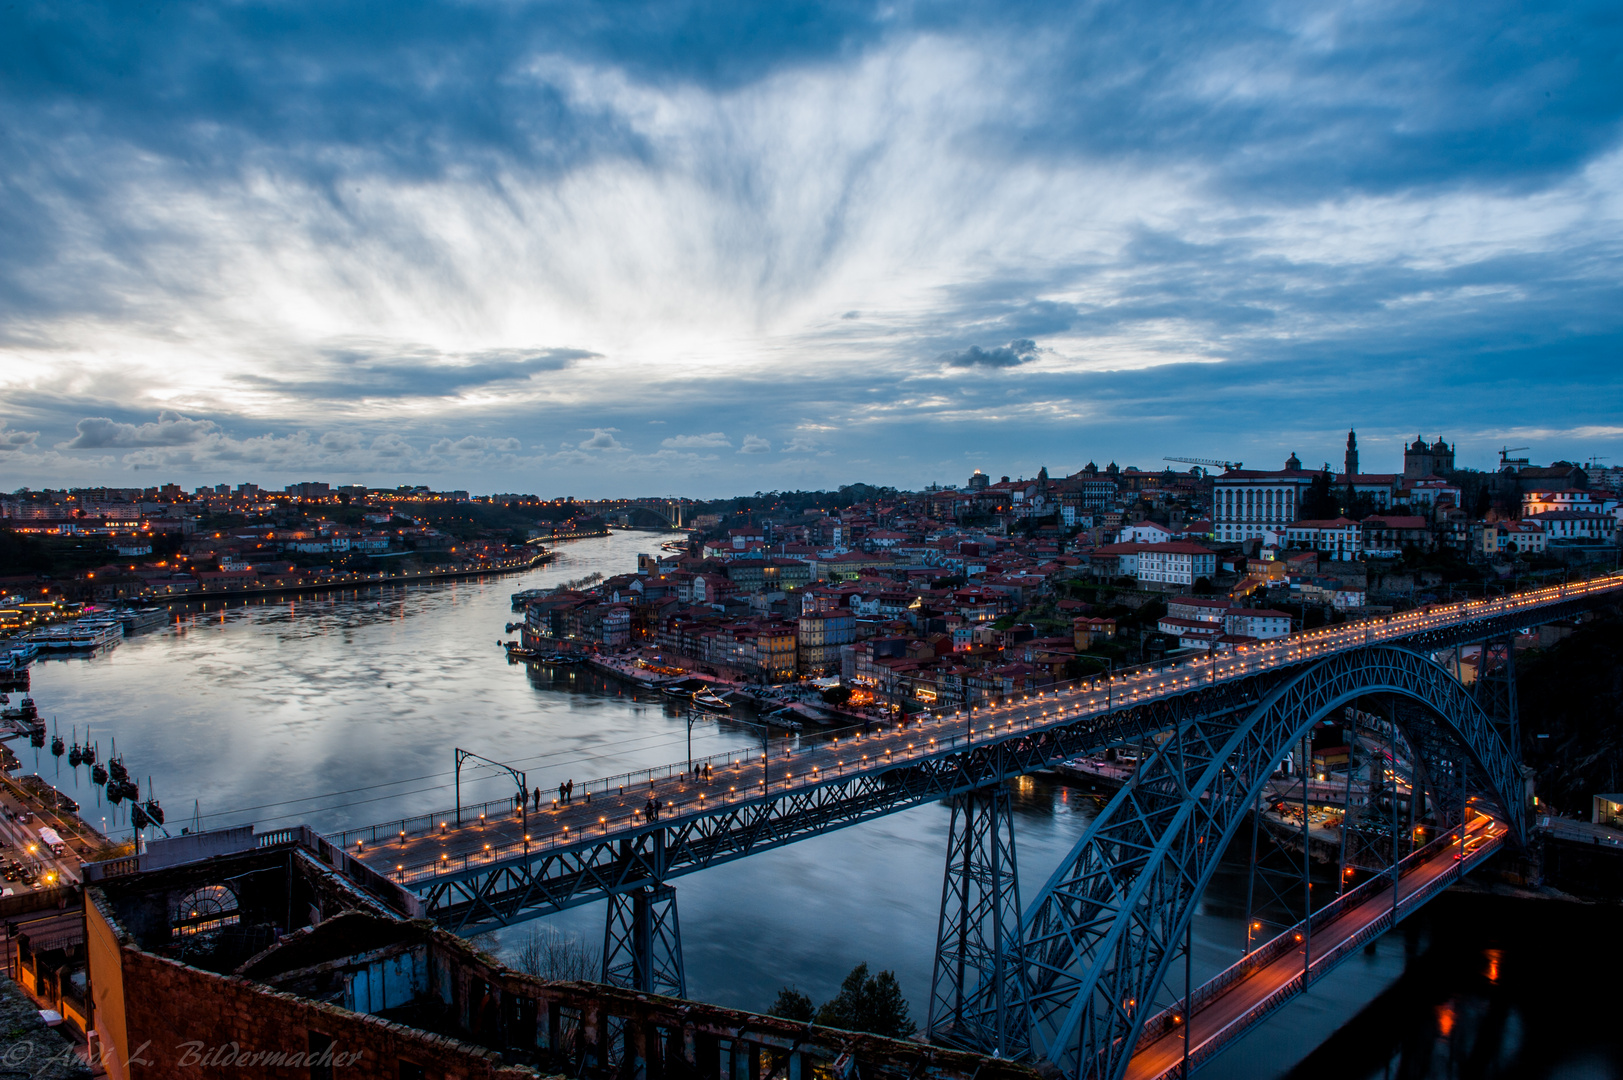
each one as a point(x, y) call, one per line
point(1100, 935)
point(1073, 979)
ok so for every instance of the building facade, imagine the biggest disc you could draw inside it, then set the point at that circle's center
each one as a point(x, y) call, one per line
point(1248, 502)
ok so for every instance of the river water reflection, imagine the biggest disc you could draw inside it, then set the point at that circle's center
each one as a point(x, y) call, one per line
point(344, 709)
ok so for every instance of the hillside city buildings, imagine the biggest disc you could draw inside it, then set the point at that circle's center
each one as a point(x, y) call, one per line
point(1002, 585)
point(943, 595)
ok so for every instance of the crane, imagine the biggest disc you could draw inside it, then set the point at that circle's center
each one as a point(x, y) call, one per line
point(1212, 462)
point(1505, 458)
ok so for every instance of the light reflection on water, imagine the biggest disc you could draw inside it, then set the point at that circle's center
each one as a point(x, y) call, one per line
point(343, 710)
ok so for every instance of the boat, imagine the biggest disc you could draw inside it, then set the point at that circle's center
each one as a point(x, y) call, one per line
point(515, 651)
point(520, 599)
point(94, 633)
point(25, 712)
point(709, 699)
point(81, 634)
point(560, 659)
point(135, 619)
point(685, 689)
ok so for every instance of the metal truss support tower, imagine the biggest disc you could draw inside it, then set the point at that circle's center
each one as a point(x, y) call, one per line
point(977, 996)
point(642, 942)
point(1496, 687)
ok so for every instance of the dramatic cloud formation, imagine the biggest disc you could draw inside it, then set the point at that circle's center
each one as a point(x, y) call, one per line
point(514, 246)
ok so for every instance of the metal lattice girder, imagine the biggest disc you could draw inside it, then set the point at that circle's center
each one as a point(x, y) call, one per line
point(516, 889)
point(1496, 687)
point(976, 999)
point(1497, 625)
point(642, 942)
point(1101, 933)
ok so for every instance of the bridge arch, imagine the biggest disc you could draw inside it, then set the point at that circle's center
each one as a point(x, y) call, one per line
point(1100, 935)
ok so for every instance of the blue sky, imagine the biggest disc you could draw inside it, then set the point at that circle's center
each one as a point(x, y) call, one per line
point(703, 249)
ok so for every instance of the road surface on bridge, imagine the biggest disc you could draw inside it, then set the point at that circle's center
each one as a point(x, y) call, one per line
point(1228, 1015)
point(427, 847)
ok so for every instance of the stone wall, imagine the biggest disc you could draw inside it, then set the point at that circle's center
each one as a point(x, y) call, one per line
point(184, 1021)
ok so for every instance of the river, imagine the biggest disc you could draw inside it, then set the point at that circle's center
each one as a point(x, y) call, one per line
point(344, 709)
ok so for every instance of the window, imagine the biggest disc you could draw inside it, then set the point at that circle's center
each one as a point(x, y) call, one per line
point(204, 910)
point(321, 1055)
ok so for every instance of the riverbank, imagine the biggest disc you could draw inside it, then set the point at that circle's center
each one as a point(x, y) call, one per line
point(351, 581)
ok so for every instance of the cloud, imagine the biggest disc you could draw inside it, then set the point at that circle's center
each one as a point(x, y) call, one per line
point(172, 429)
point(12, 440)
point(754, 444)
point(374, 370)
point(1013, 354)
point(1251, 221)
point(473, 444)
point(714, 438)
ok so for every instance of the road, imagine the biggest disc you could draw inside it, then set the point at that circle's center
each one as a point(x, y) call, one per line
point(429, 846)
point(22, 842)
point(1225, 1017)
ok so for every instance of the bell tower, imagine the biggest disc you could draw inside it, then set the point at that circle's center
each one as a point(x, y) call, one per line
point(1352, 453)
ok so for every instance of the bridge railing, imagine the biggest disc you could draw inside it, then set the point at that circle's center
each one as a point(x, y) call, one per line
point(1291, 939)
point(1097, 695)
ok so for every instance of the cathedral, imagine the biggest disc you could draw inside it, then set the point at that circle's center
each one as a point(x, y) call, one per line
point(1422, 460)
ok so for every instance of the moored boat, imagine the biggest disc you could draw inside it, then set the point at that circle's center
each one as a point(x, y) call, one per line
point(709, 699)
point(685, 689)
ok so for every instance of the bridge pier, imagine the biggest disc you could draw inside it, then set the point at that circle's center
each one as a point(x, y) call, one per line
point(1496, 687)
point(642, 942)
point(977, 998)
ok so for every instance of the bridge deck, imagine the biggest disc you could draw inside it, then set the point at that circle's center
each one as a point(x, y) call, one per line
point(1241, 1003)
point(420, 850)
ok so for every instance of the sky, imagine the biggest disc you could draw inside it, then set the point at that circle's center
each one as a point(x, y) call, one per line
point(704, 249)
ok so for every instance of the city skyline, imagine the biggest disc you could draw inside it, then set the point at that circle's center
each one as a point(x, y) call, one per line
point(527, 249)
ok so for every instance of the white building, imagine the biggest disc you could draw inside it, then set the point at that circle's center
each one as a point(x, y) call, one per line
point(1543, 502)
point(1199, 609)
point(1382, 488)
point(1144, 532)
point(1582, 526)
point(1341, 539)
point(1513, 538)
point(1245, 502)
point(1174, 563)
point(1260, 623)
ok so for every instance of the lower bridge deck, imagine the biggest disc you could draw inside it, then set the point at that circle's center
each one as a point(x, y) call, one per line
point(1241, 997)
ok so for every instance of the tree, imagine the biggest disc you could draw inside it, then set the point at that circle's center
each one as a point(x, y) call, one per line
point(547, 953)
point(1319, 503)
point(837, 695)
point(869, 1003)
point(791, 1004)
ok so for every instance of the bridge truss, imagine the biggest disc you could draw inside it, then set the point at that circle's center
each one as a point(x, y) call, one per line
point(1100, 935)
point(1072, 978)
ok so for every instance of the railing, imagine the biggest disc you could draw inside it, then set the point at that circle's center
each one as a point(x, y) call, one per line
point(294, 834)
point(1293, 938)
point(1130, 687)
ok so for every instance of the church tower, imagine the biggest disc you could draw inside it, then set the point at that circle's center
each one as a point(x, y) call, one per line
point(1352, 453)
